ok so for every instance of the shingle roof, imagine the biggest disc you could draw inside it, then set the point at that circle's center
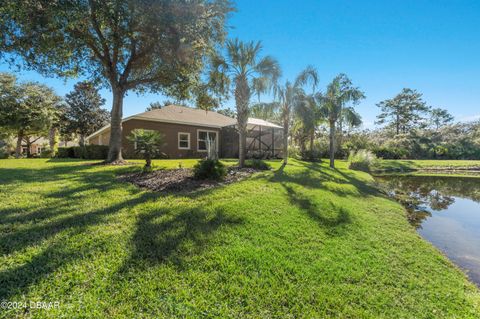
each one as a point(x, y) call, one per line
point(187, 115)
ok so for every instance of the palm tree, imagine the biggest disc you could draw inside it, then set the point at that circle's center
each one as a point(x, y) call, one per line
point(307, 111)
point(264, 111)
point(243, 70)
point(290, 96)
point(333, 103)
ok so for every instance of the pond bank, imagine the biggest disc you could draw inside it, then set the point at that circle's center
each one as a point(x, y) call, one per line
point(427, 166)
point(445, 210)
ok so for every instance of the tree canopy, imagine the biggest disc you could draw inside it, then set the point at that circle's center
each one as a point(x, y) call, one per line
point(26, 109)
point(403, 112)
point(157, 46)
point(83, 113)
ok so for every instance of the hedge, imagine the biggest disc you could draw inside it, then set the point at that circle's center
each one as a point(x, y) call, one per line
point(87, 152)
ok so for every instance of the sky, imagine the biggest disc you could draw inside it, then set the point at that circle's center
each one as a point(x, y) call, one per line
point(383, 46)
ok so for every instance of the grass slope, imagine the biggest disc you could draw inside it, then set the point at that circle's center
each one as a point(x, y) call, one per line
point(304, 241)
point(418, 165)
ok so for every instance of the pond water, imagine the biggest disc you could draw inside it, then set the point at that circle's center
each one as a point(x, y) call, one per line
point(446, 212)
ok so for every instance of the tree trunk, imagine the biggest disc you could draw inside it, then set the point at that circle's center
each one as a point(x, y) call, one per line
point(398, 124)
point(29, 144)
point(312, 141)
point(242, 145)
point(332, 144)
point(148, 160)
point(81, 142)
point(285, 139)
point(302, 145)
point(52, 140)
point(18, 150)
point(242, 98)
point(115, 145)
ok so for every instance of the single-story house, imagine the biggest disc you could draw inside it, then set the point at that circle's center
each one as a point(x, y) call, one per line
point(37, 145)
point(186, 131)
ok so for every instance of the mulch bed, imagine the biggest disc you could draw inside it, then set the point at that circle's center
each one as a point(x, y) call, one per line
point(181, 179)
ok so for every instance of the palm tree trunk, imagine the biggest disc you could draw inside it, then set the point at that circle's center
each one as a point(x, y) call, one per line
point(115, 145)
point(242, 98)
point(18, 150)
point(148, 160)
point(285, 138)
point(332, 144)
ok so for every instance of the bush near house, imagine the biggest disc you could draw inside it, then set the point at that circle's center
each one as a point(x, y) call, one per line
point(87, 152)
point(257, 164)
point(209, 169)
point(47, 153)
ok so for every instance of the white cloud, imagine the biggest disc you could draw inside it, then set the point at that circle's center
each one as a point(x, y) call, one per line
point(469, 118)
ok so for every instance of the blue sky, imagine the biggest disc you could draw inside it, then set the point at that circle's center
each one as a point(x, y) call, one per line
point(432, 46)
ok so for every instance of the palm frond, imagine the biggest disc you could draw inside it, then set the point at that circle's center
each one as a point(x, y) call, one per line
point(308, 76)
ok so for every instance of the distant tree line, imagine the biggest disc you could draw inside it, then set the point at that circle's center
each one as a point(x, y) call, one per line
point(30, 111)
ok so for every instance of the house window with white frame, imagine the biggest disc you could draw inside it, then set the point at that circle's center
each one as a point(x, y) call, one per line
point(183, 141)
point(203, 136)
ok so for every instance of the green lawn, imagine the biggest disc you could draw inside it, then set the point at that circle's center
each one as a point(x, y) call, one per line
point(416, 165)
point(304, 241)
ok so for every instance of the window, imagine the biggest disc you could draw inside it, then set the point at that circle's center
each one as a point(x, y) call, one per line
point(39, 149)
point(183, 141)
point(24, 150)
point(203, 136)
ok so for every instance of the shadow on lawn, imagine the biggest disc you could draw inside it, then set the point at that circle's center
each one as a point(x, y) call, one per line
point(16, 280)
point(161, 235)
point(168, 237)
point(332, 220)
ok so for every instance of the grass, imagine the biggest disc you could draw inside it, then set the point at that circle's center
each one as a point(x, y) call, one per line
point(419, 165)
point(303, 241)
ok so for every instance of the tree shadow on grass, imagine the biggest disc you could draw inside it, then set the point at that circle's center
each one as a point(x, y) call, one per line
point(162, 234)
point(168, 237)
point(332, 220)
point(18, 279)
point(316, 177)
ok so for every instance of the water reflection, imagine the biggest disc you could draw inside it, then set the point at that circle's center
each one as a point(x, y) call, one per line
point(422, 194)
point(446, 212)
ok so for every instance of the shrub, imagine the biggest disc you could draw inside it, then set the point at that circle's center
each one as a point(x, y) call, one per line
point(257, 164)
point(312, 155)
point(96, 151)
point(390, 153)
point(361, 160)
point(65, 152)
point(3, 153)
point(87, 152)
point(47, 153)
point(209, 169)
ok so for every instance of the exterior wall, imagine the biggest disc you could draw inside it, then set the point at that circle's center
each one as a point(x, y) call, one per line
point(101, 139)
point(170, 132)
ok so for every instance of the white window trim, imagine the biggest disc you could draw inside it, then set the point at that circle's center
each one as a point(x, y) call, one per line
point(198, 139)
point(178, 141)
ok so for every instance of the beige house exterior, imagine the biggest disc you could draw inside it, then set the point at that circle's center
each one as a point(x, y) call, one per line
point(186, 131)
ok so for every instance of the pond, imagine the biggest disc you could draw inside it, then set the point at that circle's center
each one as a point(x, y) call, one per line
point(446, 211)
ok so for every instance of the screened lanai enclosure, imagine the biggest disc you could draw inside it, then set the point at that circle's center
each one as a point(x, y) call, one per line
point(264, 140)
